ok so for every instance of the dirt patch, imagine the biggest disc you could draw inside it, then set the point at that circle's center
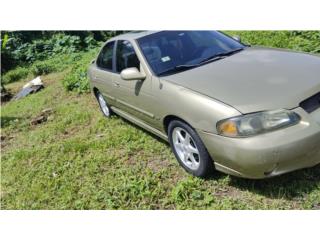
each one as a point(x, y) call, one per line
point(6, 95)
point(159, 163)
point(229, 191)
point(67, 133)
point(154, 163)
point(43, 117)
point(5, 140)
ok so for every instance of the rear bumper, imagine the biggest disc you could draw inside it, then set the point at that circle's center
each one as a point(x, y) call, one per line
point(268, 154)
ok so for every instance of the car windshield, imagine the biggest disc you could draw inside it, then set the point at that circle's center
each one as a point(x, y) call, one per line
point(169, 52)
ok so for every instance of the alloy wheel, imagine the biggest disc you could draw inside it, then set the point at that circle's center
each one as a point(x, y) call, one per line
point(186, 148)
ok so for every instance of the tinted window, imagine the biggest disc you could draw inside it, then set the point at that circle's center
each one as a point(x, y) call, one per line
point(168, 49)
point(105, 57)
point(126, 56)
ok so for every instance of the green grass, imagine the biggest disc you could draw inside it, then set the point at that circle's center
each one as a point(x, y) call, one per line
point(80, 160)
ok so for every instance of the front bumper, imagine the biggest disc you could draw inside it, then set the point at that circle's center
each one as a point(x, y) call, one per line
point(269, 154)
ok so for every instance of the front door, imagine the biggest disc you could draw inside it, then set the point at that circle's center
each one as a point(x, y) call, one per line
point(133, 96)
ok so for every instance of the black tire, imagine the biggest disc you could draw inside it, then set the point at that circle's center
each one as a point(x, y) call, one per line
point(105, 109)
point(205, 166)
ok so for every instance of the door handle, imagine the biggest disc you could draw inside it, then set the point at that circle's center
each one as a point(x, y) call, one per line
point(116, 84)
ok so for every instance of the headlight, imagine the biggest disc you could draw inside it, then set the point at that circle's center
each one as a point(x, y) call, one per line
point(256, 123)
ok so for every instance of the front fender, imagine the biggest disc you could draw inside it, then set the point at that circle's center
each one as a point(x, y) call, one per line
point(200, 111)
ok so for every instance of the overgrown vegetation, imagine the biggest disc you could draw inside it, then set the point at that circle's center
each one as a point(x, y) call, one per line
point(77, 80)
point(29, 54)
point(22, 48)
point(15, 75)
point(306, 41)
point(78, 159)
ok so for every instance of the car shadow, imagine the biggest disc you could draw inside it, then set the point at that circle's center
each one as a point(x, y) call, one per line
point(145, 131)
point(288, 186)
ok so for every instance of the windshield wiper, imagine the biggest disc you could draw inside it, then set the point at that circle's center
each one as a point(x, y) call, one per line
point(220, 56)
point(206, 60)
point(177, 69)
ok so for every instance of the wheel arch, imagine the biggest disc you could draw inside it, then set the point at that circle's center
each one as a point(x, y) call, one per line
point(167, 119)
point(95, 90)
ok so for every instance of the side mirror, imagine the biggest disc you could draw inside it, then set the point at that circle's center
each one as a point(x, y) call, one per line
point(132, 74)
point(237, 38)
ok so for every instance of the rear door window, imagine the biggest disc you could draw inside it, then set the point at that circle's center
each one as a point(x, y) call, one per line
point(105, 59)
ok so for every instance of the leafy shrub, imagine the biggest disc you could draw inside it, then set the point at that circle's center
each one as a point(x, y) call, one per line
point(44, 49)
point(91, 43)
point(42, 68)
point(307, 41)
point(20, 48)
point(16, 50)
point(15, 75)
point(77, 80)
point(54, 64)
point(62, 43)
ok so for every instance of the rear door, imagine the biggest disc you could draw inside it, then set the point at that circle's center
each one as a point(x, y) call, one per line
point(104, 73)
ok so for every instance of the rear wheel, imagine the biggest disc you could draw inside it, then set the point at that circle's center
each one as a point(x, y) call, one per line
point(104, 107)
point(189, 150)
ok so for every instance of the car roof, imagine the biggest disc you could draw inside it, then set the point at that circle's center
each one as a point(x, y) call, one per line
point(132, 35)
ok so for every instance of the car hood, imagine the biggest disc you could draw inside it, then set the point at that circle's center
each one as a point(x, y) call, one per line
point(256, 79)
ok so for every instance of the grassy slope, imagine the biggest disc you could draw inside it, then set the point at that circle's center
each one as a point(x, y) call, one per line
point(80, 160)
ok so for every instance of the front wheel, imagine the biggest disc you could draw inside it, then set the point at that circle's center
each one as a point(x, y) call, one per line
point(189, 150)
